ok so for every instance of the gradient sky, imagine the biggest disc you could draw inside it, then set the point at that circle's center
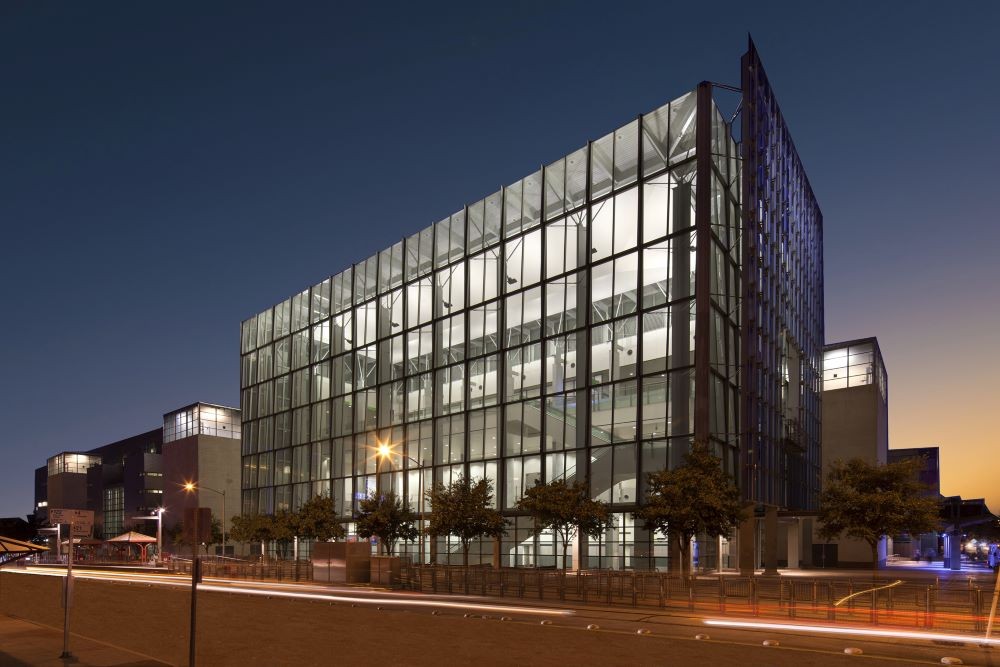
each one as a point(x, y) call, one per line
point(169, 169)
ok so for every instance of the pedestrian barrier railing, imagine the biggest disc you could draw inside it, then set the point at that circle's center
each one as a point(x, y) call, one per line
point(277, 570)
point(943, 605)
point(947, 605)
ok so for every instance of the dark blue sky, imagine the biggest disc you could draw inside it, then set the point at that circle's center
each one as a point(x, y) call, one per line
point(169, 169)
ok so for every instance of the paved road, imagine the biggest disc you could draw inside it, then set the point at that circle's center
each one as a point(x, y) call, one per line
point(416, 629)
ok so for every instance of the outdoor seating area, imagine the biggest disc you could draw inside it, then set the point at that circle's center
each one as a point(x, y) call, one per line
point(129, 547)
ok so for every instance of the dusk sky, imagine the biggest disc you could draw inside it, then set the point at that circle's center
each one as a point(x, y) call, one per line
point(169, 169)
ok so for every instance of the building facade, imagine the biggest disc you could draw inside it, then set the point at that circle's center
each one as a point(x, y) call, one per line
point(855, 425)
point(201, 446)
point(115, 481)
point(588, 322)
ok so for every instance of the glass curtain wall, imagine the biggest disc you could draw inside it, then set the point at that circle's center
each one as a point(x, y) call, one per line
point(544, 332)
point(782, 317)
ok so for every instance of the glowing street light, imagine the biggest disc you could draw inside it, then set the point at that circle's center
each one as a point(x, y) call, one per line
point(192, 486)
point(384, 450)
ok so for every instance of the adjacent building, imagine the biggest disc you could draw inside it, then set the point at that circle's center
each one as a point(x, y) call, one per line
point(661, 284)
point(126, 481)
point(201, 447)
point(116, 481)
point(855, 425)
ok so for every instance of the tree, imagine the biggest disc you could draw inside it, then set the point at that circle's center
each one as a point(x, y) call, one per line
point(283, 529)
point(177, 536)
point(867, 502)
point(567, 509)
point(317, 520)
point(464, 509)
point(695, 497)
point(253, 528)
point(388, 518)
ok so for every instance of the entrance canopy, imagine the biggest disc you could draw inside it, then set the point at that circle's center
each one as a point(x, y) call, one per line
point(11, 549)
point(83, 542)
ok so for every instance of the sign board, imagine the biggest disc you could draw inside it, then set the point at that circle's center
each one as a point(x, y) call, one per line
point(75, 517)
point(81, 530)
point(197, 525)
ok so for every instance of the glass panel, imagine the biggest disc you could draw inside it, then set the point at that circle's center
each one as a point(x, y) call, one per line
point(555, 189)
point(320, 301)
point(683, 112)
point(655, 140)
point(484, 277)
point(601, 165)
point(576, 179)
point(626, 154)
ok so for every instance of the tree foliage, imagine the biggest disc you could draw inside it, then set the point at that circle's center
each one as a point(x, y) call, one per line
point(695, 497)
point(176, 534)
point(253, 528)
point(866, 501)
point(464, 509)
point(387, 517)
point(317, 520)
point(566, 509)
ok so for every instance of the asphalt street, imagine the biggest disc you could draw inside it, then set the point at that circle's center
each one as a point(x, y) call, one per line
point(494, 631)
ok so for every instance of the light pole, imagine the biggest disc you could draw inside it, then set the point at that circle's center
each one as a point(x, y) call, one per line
point(159, 530)
point(384, 450)
point(193, 486)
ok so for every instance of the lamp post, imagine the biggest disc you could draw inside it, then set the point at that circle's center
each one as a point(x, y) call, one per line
point(384, 450)
point(193, 486)
point(159, 530)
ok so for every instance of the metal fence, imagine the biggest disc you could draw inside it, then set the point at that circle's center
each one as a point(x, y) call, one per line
point(280, 570)
point(956, 606)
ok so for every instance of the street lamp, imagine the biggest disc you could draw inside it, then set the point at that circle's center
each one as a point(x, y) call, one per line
point(159, 530)
point(193, 486)
point(384, 451)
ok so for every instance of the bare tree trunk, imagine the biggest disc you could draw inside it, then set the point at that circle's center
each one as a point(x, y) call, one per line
point(465, 554)
point(874, 548)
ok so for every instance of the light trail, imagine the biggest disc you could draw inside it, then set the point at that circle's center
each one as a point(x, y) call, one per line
point(864, 632)
point(275, 589)
point(400, 602)
point(865, 592)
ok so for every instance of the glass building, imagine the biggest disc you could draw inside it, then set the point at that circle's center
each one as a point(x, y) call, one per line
point(583, 323)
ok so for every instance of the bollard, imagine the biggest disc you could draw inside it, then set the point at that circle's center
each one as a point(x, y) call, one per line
point(977, 610)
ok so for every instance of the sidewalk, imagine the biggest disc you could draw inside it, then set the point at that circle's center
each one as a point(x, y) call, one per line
point(24, 643)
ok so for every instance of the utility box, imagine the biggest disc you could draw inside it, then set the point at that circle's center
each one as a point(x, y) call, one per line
point(342, 562)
